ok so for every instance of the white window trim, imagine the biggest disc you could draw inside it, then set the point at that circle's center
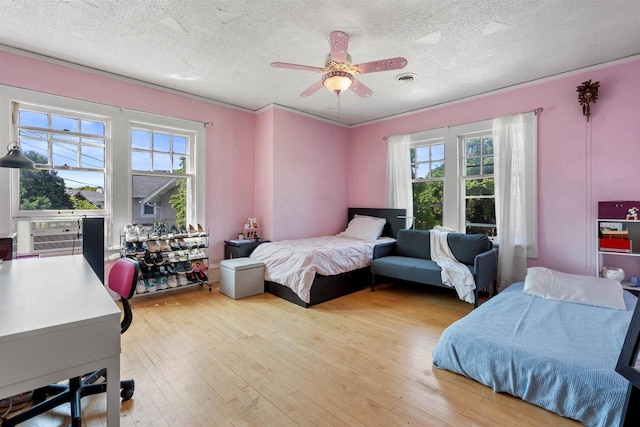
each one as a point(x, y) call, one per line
point(463, 177)
point(118, 174)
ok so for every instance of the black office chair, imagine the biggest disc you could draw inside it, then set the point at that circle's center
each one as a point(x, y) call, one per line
point(122, 280)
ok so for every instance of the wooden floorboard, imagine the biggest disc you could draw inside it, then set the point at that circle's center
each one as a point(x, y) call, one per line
point(203, 359)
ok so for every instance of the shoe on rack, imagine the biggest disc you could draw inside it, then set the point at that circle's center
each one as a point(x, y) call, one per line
point(151, 285)
point(141, 232)
point(173, 257)
point(172, 281)
point(164, 246)
point(173, 232)
point(171, 269)
point(153, 233)
point(187, 266)
point(183, 244)
point(162, 231)
point(201, 231)
point(183, 232)
point(129, 249)
point(162, 283)
point(159, 259)
point(149, 259)
point(183, 255)
point(202, 276)
point(153, 246)
point(174, 245)
point(179, 268)
point(140, 287)
point(198, 266)
point(163, 270)
point(192, 277)
point(130, 234)
point(182, 280)
point(192, 231)
point(140, 248)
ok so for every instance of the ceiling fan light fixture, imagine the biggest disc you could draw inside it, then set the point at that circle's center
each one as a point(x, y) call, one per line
point(337, 81)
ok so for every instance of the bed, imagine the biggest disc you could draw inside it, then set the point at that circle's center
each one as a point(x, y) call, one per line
point(326, 287)
point(555, 354)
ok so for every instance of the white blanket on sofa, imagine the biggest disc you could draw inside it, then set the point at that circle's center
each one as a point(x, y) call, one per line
point(454, 273)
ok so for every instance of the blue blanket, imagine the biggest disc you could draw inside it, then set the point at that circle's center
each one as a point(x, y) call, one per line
point(557, 355)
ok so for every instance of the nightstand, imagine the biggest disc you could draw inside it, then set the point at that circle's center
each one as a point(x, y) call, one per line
point(235, 249)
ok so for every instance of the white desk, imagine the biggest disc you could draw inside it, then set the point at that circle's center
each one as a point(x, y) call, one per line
point(57, 321)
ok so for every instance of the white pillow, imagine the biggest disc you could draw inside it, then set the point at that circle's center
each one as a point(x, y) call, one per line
point(590, 290)
point(365, 228)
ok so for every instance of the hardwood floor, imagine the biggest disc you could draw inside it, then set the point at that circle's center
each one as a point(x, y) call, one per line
point(203, 359)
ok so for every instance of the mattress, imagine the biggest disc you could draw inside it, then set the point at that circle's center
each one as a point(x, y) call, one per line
point(294, 263)
point(557, 355)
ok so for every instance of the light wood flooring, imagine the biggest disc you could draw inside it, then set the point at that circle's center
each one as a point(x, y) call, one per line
point(203, 359)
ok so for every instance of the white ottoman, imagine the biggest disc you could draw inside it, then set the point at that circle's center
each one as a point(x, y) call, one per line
point(241, 277)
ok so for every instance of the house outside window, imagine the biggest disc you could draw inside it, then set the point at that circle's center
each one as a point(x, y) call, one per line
point(427, 177)
point(160, 162)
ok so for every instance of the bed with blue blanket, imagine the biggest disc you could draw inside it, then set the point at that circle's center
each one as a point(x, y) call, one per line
point(555, 354)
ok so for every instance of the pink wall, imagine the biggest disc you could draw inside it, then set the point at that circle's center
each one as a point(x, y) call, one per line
point(290, 170)
point(229, 143)
point(579, 163)
point(310, 169)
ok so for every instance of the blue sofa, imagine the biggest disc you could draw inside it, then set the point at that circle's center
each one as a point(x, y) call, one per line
point(409, 258)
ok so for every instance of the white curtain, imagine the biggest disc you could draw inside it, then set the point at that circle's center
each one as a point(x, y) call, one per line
point(399, 190)
point(514, 139)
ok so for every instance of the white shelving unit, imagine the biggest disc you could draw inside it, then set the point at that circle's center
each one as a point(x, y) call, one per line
point(633, 228)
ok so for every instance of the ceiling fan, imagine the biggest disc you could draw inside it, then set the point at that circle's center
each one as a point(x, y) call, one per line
point(339, 72)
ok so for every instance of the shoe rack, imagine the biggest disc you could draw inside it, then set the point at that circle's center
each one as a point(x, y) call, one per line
point(169, 259)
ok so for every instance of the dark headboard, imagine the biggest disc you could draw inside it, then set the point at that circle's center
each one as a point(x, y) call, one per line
point(391, 215)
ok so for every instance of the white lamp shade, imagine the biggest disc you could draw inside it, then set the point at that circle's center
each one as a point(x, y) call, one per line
point(337, 81)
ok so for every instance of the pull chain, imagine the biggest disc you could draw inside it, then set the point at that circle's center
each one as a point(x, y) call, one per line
point(338, 105)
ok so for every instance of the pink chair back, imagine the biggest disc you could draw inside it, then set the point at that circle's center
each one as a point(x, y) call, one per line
point(123, 277)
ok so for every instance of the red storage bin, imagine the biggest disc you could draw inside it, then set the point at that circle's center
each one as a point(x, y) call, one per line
point(615, 245)
point(616, 209)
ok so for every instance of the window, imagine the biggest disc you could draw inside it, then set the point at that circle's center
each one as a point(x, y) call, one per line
point(68, 149)
point(427, 176)
point(156, 150)
point(87, 164)
point(477, 184)
point(160, 163)
point(452, 171)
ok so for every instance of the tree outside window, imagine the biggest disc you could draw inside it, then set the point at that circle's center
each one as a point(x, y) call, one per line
point(479, 192)
point(427, 174)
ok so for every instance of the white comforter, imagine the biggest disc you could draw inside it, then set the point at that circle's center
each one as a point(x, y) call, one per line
point(294, 263)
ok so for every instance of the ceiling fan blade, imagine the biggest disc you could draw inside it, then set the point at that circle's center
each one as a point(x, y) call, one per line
point(296, 67)
point(382, 65)
point(312, 89)
point(338, 42)
point(360, 89)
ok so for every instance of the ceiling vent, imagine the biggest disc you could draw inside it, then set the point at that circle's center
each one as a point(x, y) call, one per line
point(405, 77)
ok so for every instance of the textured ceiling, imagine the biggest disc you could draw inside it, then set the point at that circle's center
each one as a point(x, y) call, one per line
point(222, 50)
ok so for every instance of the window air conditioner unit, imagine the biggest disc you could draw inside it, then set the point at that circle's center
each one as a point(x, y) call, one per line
point(59, 237)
